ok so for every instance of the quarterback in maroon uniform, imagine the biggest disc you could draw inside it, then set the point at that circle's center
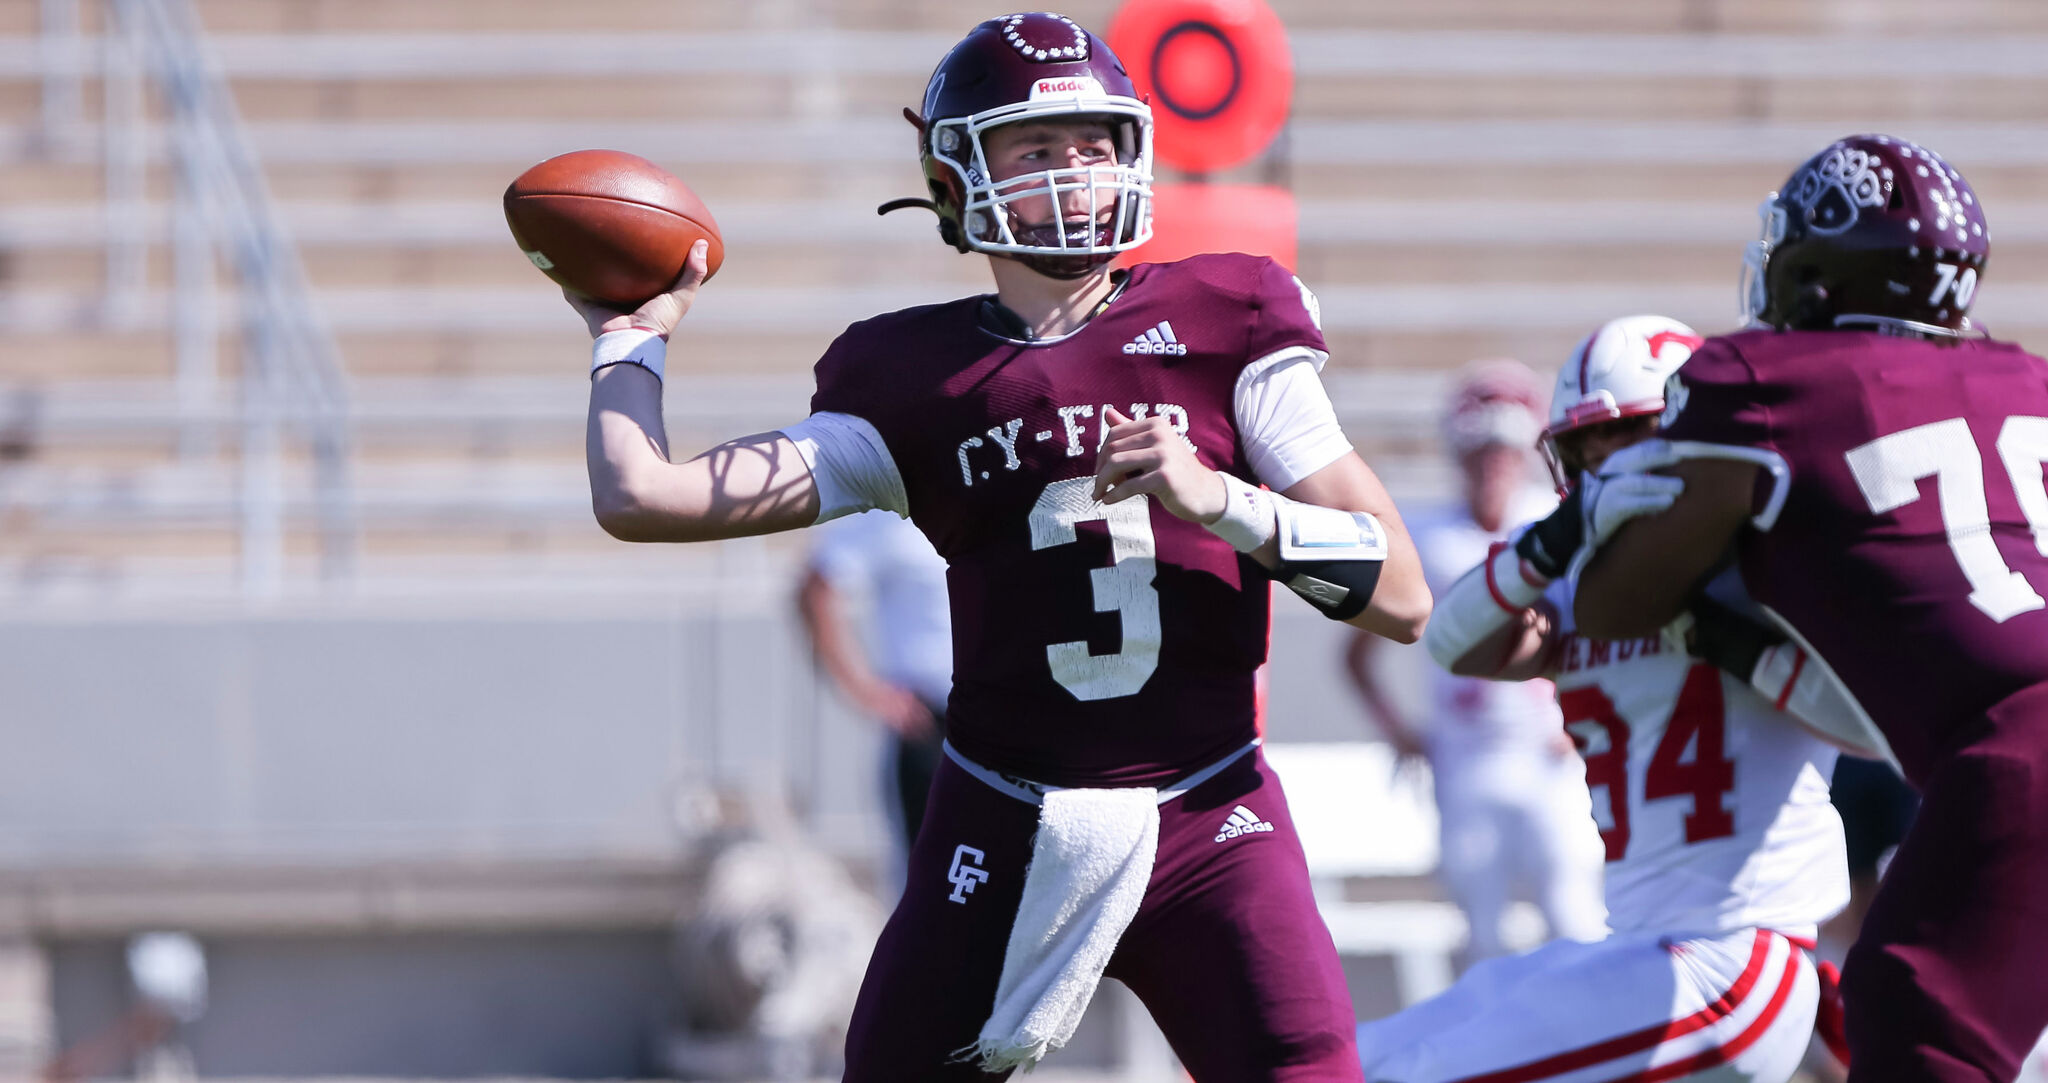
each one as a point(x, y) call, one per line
point(1884, 498)
point(1085, 447)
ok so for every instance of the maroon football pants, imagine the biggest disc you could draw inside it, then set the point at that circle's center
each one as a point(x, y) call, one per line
point(1949, 980)
point(1227, 950)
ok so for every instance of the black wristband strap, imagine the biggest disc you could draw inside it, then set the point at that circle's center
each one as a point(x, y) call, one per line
point(1552, 541)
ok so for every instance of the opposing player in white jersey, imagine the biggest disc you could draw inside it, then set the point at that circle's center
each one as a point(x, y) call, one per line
point(1510, 793)
point(1723, 852)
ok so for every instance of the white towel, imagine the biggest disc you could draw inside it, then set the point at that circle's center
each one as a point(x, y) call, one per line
point(1090, 863)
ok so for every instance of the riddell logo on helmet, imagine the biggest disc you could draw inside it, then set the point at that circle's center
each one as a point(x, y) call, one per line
point(1067, 86)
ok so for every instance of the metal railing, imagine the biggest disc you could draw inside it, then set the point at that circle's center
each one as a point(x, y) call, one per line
point(291, 376)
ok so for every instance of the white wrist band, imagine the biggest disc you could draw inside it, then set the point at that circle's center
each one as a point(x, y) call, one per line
point(632, 346)
point(1248, 520)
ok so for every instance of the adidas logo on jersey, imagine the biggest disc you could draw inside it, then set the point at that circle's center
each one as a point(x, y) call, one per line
point(1242, 821)
point(1158, 340)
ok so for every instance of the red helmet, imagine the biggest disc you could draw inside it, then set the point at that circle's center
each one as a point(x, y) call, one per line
point(1033, 67)
point(1872, 231)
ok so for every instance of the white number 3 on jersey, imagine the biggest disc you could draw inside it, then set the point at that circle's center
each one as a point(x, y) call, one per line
point(1124, 588)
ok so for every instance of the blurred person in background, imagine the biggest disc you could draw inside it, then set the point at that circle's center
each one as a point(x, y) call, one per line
point(1510, 792)
point(167, 983)
point(1086, 446)
point(1723, 853)
point(897, 667)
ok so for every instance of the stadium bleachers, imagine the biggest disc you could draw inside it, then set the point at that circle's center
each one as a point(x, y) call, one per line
point(1480, 179)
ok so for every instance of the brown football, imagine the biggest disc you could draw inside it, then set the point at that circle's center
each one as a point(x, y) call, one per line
point(610, 226)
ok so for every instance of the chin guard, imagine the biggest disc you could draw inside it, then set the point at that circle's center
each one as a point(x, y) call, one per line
point(1330, 557)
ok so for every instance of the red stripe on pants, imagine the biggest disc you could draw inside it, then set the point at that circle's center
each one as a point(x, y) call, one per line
point(1648, 1037)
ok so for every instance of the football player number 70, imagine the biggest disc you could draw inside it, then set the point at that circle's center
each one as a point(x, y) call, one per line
point(1889, 468)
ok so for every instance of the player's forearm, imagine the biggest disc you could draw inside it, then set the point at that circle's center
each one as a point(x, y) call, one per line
point(1400, 605)
point(1484, 626)
point(753, 485)
point(1642, 577)
point(1388, 718)
point(1624, 593)
point(625, 445)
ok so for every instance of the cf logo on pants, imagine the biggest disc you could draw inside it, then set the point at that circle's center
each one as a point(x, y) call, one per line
point(966, 873)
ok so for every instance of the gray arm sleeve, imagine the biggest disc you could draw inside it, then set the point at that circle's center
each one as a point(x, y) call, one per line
point(850, 464)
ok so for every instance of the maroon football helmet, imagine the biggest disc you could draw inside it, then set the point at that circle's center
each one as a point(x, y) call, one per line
point(1034, 67)
point(1875, 232)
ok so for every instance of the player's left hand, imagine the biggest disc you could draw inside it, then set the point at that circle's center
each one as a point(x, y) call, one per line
point(1613, 499)
point(1148, 457)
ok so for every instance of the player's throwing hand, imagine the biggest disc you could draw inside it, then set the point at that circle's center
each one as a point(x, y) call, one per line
point(1149, 456)
point(660, 314)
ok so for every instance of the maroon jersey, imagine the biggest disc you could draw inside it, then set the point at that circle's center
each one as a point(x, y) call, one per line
point(1912, 551)
point(1092, 644)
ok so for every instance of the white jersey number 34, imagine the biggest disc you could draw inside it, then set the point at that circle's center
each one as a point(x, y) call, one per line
point(1698, 722)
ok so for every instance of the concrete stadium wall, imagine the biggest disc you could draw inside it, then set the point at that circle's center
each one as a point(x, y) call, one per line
point(351, 736)
point(433, 840)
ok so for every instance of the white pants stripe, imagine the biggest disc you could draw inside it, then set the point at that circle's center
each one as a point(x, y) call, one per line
point(1634, 1008)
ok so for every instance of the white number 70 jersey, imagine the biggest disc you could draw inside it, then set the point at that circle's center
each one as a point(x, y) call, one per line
point(1712, 802)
